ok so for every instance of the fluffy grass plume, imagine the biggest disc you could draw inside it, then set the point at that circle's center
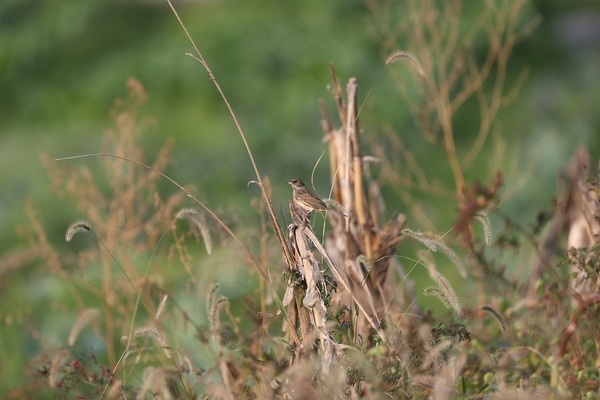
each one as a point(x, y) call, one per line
point(451, 254)
point(405, 56)
point(156, 336)
point(55, 367)
point(431, 244)
point(448, 291)
point(161, 307)
point(437, 244)
point(433, 291)
point(76, 227)
point(499, 317)
point(197, 221)
point(85, 318)
point(484, 219)
point(210, 298)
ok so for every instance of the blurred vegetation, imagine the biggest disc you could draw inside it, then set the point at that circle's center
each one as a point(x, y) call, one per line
point(63, 64)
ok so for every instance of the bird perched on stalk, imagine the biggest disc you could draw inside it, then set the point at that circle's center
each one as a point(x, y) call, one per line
point(304, 198)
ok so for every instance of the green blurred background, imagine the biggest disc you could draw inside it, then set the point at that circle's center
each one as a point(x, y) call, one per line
point(63, 64)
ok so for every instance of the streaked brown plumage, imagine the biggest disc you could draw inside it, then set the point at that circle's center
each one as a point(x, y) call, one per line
point(304, 198)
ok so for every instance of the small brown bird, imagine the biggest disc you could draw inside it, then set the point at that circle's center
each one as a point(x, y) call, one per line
point(304, 199)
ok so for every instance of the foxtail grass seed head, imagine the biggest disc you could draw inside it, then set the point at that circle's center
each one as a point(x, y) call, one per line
point(55, 367)
point(76, 227)
point(214, 312)
point(446, 288)
point(197, 220)
point(186, 363)
point(431, 244)
point(161, 306)
point(405, 56)
point(484, 219)
point(210, 297)
point(85, 318)
point(437, 244)
point(454, 258)
point(499, 317)
point(156, 336)
point(433, 291)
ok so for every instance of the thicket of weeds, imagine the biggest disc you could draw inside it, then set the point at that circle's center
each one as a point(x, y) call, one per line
point(334, 312)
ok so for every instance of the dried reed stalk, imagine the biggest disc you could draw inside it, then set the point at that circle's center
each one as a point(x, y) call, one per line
point(362, 244)
point(357, 251)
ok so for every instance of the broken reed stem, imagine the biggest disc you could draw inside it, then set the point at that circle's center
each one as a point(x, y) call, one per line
point(313, 299)
point(350, 180)
point(357, 168)
point(338, 276)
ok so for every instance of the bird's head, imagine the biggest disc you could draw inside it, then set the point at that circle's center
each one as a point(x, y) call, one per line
point(296, 183)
